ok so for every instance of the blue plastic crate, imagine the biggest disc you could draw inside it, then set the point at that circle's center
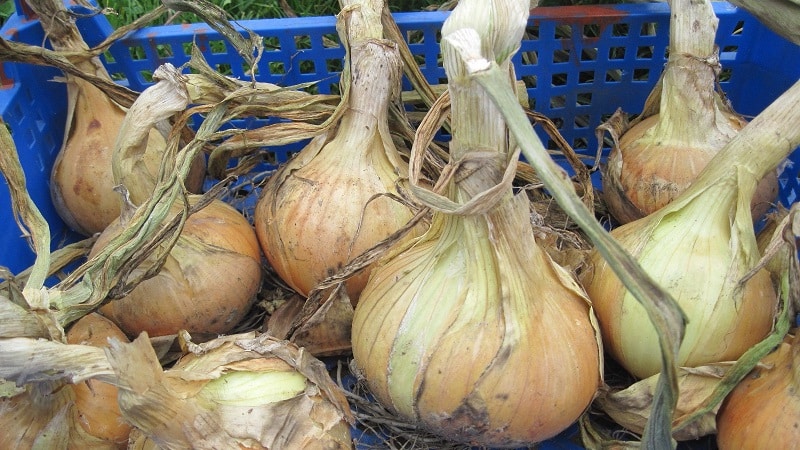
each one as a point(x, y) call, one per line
point(579, 64)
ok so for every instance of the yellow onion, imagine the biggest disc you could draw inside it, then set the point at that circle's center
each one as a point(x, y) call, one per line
point(763, 409)
point(95, 400)
point(333, 200)
point(81, 181)
point(234, 392)
point(700, 247)
point(207, 283)
point(661, 154)
point(40, 408)
point(471, 331)
point(212, 272)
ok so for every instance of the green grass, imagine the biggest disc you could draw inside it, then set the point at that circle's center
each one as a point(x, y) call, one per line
point(128, 10)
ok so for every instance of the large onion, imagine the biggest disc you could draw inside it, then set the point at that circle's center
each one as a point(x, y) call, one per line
point(333, 200)
point(471, 331)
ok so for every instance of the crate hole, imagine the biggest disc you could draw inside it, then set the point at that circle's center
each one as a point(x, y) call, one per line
point(442, 80)
point(302, 42)
point(223, 68)
point(530, 81)
point(739, 28)
point(217, 47)
point(247, 67)
point(589, 54)
point(551, 144)
point(644, 52)
point(586, 77)
point(591, 31)
point(109, 57)
point(725, 74)
point(558, 122)
point(334, 89)
point(648, 29)
point(581, 121)
point(558, 101)
point(415, 36)
point(730, 48)
point(561, 56)
point(277, 68)
point(307, 66)
point(420, 60)
point(532, 33)
point(529, 58)
point(641, 74)
point(118, 76)
point(620, 29)
point(271, 43)
point(559, 79)
point(187, 48)
point(532, 103)
point(137, 52)
point(580, 144)
point(438, 36)
point(613, 75)
point(583, 99)
point(562, 32)
point(164, 51)
point(146, 75)
point(334, 65)
point(616, 53)
point(331, 40)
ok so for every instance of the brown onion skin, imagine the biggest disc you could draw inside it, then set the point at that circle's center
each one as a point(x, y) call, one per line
point(642, 177)
point(763, 411)
point(96, 401)
point(206, 285)
point(82, 181)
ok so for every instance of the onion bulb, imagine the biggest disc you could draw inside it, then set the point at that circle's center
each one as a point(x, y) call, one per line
point(207, 283)
point(212, 272)
point(95, 400)
point(81, 180)
point(700, 247)
point(237, 391)
point(333, 200)
point(471, 331)
point(46, 410)
point(763, 408)
point(661, 154)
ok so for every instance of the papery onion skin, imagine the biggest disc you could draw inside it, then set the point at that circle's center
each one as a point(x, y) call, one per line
point(207, 284)
point(96, 401)
point(764, 408)
point(475, 338)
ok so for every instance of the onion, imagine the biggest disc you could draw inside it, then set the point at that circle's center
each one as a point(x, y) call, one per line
point(237, 391)
point(207, 283)
point(51, 406)
point(81, 181)
point(659, 157)
point(212, 272)
point(700, 247)
point(96, 401)
point(471, 331)
point(763, 408)
point(333, 200)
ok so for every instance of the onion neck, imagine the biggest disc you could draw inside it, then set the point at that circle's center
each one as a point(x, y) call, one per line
point(690, 107)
